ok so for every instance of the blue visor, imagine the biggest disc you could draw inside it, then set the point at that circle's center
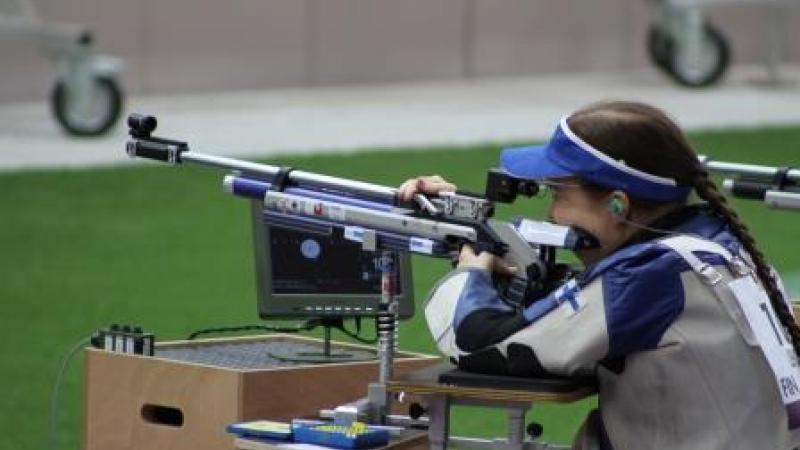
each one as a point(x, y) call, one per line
point(568, 155)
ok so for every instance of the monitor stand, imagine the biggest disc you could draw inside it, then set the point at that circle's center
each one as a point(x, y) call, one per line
point(326, 355)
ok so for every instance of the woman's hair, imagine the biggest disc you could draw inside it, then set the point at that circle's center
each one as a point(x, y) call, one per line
point(646, 139)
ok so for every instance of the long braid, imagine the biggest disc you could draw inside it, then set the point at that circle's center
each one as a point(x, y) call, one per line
point(707, 190)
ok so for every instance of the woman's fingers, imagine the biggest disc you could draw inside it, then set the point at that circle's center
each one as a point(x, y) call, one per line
point(407, 189)
point(467, 253)
point(468, 258)
point(484, 261)
point(432, 184)
point(502, 268)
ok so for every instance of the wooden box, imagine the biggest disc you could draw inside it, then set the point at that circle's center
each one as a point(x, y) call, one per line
point(137, 402)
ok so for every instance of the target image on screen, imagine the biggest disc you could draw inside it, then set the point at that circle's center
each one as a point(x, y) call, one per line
point(310, 263)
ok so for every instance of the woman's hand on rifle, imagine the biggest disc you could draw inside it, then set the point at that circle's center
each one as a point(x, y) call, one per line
point(432, 184)
point(484, 261)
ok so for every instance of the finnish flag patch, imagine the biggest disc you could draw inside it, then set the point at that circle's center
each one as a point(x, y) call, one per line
point(568, 299)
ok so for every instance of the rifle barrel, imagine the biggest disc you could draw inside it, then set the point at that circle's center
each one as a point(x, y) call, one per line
point(297, 178)
point(749, 170)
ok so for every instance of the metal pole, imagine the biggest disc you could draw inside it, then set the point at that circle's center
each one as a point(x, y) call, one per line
point(438, 406)
point(387, 317)
point(297, 178)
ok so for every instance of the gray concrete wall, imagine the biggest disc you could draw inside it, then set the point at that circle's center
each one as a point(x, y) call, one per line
point(177, 46)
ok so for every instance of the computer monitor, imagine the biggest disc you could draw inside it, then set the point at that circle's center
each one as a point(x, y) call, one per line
point(319, 274)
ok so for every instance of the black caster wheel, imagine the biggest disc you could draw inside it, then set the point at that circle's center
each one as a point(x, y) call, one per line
point(97, 116)
point(658, 47)
point(672, 59)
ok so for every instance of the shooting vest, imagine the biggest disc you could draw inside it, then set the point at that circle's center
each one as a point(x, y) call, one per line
point(697, 379)
point(708, 384)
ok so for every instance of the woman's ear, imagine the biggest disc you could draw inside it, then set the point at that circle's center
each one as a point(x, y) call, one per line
point(619, 204)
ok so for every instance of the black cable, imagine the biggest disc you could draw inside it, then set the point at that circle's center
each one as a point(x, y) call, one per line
point(356, 335)
point(52, 438)
point(305, 326)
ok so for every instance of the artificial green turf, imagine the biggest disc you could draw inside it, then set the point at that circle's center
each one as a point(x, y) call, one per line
point(165, 248)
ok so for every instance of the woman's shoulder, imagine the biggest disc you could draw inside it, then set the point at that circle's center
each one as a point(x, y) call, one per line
point(642, 295)
point(656, 257)
point(637, 259)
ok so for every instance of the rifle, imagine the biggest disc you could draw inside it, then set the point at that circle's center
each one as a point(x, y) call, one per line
point(373, 215)
point(778, 187)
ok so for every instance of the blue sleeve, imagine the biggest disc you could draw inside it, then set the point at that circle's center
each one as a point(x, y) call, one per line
point(478, 294)
point(482, 318)
point(643, 296)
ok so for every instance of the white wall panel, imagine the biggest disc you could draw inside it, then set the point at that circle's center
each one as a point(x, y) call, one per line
point(176, 46)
